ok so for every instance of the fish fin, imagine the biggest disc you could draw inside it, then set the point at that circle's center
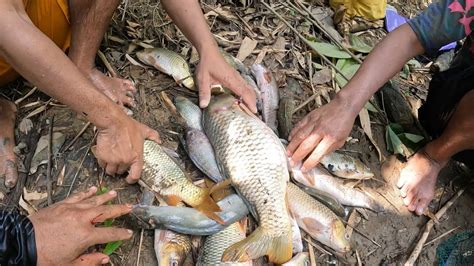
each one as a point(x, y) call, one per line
point(208, 207)
point(243, 225)
point(313, 226)
point(172, 200)
point(220, 186)
point(260, 243)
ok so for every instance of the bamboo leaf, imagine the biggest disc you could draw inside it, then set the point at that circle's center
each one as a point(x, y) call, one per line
point(329, 50)
point(111, 247)
point(396, 143)
point(359, 45)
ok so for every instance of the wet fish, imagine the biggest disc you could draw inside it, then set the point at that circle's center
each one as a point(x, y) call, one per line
point(296, 240)
point(190, 221)
point(190, 112)
point(215, 245)
point(201, 153)
point(234, 62)
point(269, 93)
point(301, 259)
point(170, 63)
point(318, 178)
point(325, 199)
point(171, 248)
point(164, 176)
point(285, 116)
point(255, 88)
point(317, 220)
point(253, 158)
point(346, 166)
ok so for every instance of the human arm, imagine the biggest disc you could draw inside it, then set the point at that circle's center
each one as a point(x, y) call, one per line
point(212, 69)
point(38, 59)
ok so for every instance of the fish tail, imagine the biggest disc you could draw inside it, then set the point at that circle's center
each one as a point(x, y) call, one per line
point(258, 244)
point(209, 208)
point(375, 206)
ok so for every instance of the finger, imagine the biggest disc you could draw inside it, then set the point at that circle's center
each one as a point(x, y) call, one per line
point(299, 137)
point(122, 169)
point(238, 85)
point(104, 212)
point(91, 259)
point(109, 234)
point(81, 195)
point(306, 147)
point(298, 127)
point(111, 169)
point(204, 92)
point(135, 172)
point(153, 135)
point(323, 148)
point(100, 199)
point(11, 173)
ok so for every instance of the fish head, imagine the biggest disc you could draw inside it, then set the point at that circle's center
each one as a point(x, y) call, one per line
point(339, 237)
point(172, 254)
point(146, 56)
point(181, 102)
point(222, 102)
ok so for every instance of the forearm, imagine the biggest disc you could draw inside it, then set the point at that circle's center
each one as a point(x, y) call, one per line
point(387, 58)
point(41, 62)
point(458, 135)
point(187, 15)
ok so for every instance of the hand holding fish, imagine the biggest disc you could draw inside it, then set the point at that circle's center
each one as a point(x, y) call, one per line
point(66, 229)
point(214, 70)
point(322, 131)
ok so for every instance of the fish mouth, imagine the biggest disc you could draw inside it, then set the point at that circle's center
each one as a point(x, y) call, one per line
point(222, 102)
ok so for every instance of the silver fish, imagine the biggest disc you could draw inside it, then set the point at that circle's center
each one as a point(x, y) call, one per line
point(296, 240)
point(346, 166)
point(269, 93)
point(255, 88)
point(171, 248)
point(201, 153)
point(190, 112)
point(253, 158)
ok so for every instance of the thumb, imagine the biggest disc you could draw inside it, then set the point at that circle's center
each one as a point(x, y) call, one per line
point(153, 135)
point(204, 92)
point(135, 171)
point(91, 259)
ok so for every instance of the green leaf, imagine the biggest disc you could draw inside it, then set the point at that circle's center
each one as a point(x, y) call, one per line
point(396, 143)
point(370, 107)
point(111, 247)
point(348, 68)
point(414, 63)
point(359, 45)
point(318, 66)
point(413, 137)
point(397, 128)
point(329, 50)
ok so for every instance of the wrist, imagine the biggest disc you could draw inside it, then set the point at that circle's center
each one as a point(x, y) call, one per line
point(106, 115)
point(350, 103)
point(207, 48)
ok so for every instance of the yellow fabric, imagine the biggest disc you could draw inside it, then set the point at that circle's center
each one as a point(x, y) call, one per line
point(368, 9)
point(52, 18)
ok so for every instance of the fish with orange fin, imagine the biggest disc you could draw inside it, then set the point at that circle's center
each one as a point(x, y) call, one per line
point(252, 157)
point(164, 176)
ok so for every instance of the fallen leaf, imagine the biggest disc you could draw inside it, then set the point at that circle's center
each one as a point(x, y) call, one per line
point(30, 209)
point(41, 154)
point(279, 44)
point(329, 50)
point(133, 61)
point(365, 123)
point(29, 196)
point(359, 45)
point(246, 48)
point(348, 67)
point(322, 76)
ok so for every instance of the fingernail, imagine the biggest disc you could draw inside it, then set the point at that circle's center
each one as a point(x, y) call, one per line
point(129, 205)
point(112, 193)
point(93, 188)
point(303, 169)
point(105, 260)
point(130, 232)
point(292, 163)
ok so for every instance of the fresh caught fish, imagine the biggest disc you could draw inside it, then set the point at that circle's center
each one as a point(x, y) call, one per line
point(325, 199)
point(269, 93)
point(346, 166)
point(234, 62)
point(318, 178)
point(317, 220)
point(171, 248)
point(215, 245)
point(253, 158)
point(189, 221)
point(190, 112)
point(255, 88)
point(301, 259)
point(164, 176)
point(170, 63)
point(201, 153)
point(297, 241)
point(285, 116)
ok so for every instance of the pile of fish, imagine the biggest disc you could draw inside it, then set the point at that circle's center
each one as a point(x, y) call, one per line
point(236, 149)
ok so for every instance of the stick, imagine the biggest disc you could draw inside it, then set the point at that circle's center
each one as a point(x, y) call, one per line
point(109, 67)
point(419, 246)
point(50, 155)
point(311, 254)
point(303, 104)
point(77, 136)
point(440, 236)
point(26, 96)
point(80, 165)
point(360, 233)
point(140, 247)
point(305, 41)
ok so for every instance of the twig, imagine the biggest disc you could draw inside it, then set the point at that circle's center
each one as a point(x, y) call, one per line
point(360, 233)
point(50, 158)
point(311, 254)
point(389, 201)
point(77, 136)
point(419, 246)
point(303, 104)
point(140, 247)
point(441, 236)
point(80, 166)
point(124, 9)
point(17, 102)
point(306, 41)
point(109, 67)
point(322, 250)
point(359, 263)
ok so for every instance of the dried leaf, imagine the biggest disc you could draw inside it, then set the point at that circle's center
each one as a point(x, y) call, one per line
point(300, 59)
point(61, 176)
point(329, 50)
point(37, 111)
point(246, 48)
point(41, 154)
point(279, 44)
point(322, 76)
point(25, 125)
point(29, 196)
point(365, 123)
point(30, 209)
point(133, 61)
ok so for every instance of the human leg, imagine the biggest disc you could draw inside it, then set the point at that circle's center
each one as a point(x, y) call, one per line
point(8, 169)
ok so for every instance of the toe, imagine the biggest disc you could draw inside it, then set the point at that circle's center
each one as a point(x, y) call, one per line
point(128, 86)
point(413, 204)
point(128, 101)
point(402, 179)
point(404, 190)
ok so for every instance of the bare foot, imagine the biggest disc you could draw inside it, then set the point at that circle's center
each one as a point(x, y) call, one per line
point(119, 90)
point(417, 182)
point(8, 169)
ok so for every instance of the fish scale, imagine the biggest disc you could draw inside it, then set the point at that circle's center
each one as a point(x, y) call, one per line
point(251, 155)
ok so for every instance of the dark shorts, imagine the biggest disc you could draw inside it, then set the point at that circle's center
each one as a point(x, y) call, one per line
point(446, 90)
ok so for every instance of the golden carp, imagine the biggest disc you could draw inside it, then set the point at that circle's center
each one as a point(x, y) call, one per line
point(171, 248)
point(190, 112)
point(215, 245)
point(170, 63)
point(253, 158)
point(269, 94)
point(301, 259)
point(164, 176)
point(317, 220)
point(346, 166)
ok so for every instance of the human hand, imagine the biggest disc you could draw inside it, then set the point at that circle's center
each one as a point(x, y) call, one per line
point(214, 70)
point(320, 132)
point(65, 230)
point(120, 147)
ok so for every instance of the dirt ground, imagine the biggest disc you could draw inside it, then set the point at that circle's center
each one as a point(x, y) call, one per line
point(139, 23)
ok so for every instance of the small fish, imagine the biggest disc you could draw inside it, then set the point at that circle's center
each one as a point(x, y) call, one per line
point(252, 157)
point(325, 199)
point(170, 63)
point(234, 62)
point(215, 245)
point(190, 112)
point(301, 259)
point(201, 153)
point(318, 178)
point(269, 93)
point(346, 166)
point(255, 88)
point(285, 116)
point(317, 220)
point(164, 176)
point(190, 221)
point(171, 248)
